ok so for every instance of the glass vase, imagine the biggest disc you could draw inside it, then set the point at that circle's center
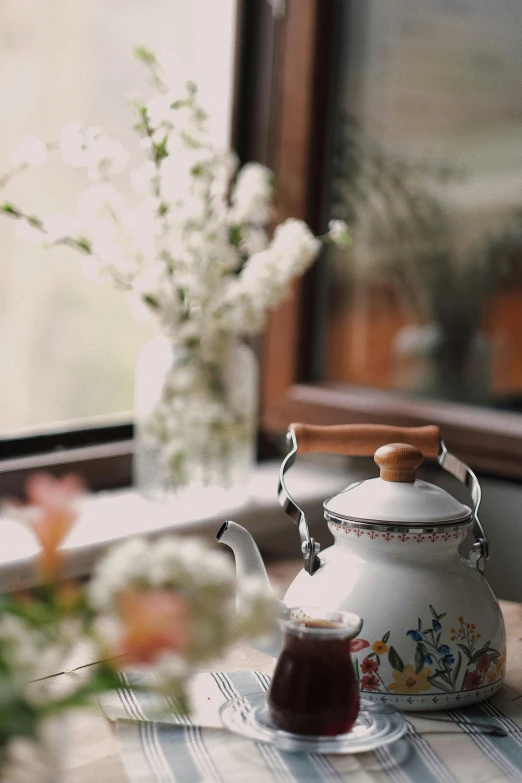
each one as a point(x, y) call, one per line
point(195, 425)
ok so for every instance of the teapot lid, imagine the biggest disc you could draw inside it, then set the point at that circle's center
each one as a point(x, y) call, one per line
point(397, 496)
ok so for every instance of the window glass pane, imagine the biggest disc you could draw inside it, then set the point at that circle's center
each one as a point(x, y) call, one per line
point(68, 345)
point(427, 170)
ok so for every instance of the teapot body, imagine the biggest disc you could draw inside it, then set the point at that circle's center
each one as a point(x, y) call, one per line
point(433, 634)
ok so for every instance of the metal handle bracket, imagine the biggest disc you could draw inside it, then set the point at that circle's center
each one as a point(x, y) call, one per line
point(451, 464)
point(309, 547)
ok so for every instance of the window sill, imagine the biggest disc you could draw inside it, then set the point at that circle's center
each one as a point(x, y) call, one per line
point(109, 517)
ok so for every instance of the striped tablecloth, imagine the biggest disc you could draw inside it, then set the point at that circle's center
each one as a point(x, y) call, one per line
point(198, 750)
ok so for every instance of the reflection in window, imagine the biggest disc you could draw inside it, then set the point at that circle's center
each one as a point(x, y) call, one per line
point(68, 346)
point(428, 172)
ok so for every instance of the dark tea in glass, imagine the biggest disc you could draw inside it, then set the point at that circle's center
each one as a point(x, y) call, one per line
point(314, 690)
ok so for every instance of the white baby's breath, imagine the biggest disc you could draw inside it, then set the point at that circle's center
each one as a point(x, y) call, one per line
point(199, 578)
point(252, 198)
point(338, 231)
point(188, 241)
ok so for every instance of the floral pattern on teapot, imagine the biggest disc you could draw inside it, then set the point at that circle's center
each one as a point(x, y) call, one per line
point(467, 665)
point(418, 538)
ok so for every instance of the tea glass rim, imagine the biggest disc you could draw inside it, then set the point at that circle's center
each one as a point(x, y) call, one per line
point(349, 626)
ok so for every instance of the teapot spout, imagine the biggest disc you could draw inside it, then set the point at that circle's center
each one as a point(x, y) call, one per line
point(249, 564)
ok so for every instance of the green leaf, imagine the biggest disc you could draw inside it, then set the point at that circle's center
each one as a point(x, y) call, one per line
point(456, 670)
point(465, 650)
point(148, 299)
point(419, 622)
point(145, 55)
point(419, 659)
point(385, 637)
point(476, 655)
point(395, 659)
point(84, 244)
point(160, 150)
point(433, 613)
point(6, 207)
point(235, 234)
point(378, 660)
point(441, 615)
point(438, 684)
point(370, 655)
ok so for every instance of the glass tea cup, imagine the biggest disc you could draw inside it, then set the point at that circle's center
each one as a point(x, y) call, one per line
point(313, 689)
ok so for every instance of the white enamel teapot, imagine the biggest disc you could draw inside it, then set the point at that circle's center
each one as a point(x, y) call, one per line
point(433, 633)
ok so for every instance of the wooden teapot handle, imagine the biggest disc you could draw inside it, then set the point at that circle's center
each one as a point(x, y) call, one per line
point(363, 440)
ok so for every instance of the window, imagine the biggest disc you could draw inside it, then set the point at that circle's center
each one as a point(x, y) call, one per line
point(68, 346)
point(292, 69)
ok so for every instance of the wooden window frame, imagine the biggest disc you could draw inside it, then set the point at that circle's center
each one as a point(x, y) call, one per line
point(284, 80)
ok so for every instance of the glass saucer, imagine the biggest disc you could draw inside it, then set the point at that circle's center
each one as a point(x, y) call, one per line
point(248, 717)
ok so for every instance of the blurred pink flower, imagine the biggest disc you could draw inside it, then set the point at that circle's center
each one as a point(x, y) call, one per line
point(153, 621)
point(50, 513)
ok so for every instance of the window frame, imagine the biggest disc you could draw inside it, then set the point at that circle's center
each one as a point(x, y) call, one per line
point(285, 77)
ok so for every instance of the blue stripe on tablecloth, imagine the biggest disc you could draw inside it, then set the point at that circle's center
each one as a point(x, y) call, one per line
point(153, 753)
point(147, 732)
point(179, 754)
point(493, 711)
point(200, 750)
point(390, 765)
point(422, 754)
point(242, 683)
point(285, 765)
point(127, 700)
point(418, 763)
point(176, 752)
point(422, 763)
point(422, 759)
point(323, 766)
point(505, 752)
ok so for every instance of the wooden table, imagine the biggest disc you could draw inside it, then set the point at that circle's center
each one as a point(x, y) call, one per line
point(93, 754)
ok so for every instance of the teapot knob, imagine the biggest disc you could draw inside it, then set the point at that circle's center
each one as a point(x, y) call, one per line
point(398, 461)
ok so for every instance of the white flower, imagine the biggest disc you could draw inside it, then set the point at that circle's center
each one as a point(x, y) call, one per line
point(122, 567)
point(143, 177)
point(338, 232)
point(253, 240)
point(74, 141)
point(159, 111)
point(104, 157)
point(92, 149)
point(252, 196)
point(20, 642)
point(31, 151)
point(100, 200)
point(294, 242)
point(188, 241)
